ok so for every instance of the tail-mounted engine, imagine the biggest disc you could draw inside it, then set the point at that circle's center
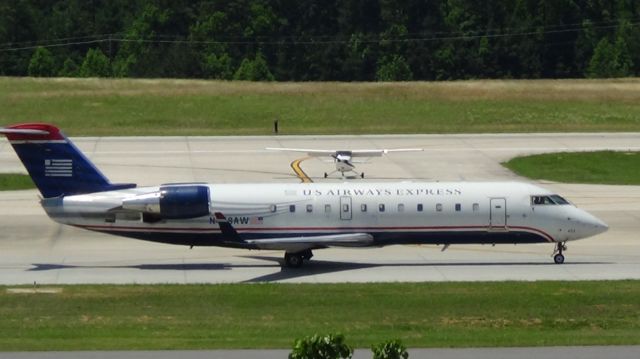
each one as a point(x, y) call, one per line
point(172, 202)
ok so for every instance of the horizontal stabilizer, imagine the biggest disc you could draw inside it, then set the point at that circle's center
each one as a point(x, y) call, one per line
point(18, 131)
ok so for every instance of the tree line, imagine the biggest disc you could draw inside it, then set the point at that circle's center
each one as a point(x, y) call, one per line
point(313, 40)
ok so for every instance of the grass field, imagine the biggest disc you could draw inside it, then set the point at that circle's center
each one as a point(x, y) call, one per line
point(603, 167)
point(11, 181)
point(194, 107)
point(273, 315)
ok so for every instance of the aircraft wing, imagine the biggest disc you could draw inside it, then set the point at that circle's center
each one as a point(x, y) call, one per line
point(378, 153)
point(352, 153)
point(310, 152)
point(295, 244)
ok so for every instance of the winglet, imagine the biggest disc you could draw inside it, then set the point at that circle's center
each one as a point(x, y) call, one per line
point(227, 229)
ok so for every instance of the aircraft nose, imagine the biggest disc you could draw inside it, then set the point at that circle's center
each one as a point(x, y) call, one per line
point(592, 225)
point(600, 226)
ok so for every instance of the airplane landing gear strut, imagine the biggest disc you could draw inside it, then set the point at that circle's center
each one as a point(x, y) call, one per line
point(558, 257)
point(343, 175)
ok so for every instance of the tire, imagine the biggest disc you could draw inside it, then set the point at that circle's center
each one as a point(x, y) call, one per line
point(293, 260)
point(558, 259)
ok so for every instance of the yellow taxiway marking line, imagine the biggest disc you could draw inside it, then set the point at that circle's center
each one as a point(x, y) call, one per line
point(295, 165)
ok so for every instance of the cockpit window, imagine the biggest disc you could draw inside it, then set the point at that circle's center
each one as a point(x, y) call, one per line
point(541, 200)
point(548, 200)
point(559, 200)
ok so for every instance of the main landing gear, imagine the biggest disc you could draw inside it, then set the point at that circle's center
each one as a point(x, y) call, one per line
point(295, 260)
point(343, 176)
point(558, 257)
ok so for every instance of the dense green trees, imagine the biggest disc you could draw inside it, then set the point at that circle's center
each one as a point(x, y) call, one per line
point(303, 40)
point(95, 64)
point(328, 346)
point(254, 70)
point(41, 63)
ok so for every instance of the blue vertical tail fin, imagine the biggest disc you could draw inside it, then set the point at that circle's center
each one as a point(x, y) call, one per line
point(55, 164)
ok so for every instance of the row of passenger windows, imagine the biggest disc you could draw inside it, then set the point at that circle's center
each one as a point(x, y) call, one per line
point(381, 207)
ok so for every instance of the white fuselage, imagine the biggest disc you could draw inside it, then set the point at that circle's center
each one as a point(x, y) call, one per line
point(405, 212)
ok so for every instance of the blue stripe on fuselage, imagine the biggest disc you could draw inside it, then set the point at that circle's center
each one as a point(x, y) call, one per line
point(380, 238)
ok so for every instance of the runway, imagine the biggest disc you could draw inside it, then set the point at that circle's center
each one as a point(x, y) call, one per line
point(35, 249)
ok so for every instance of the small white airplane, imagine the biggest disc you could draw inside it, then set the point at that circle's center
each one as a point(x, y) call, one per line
point(295, 218)
point(344, 158)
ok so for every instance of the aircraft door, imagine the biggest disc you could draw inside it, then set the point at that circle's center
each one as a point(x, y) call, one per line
point(345, 208)
point(498, 214)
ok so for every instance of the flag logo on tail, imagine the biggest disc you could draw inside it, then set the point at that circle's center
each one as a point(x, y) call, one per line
point(58, 168)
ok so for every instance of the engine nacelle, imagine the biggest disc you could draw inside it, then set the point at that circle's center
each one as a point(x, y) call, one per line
point(172, 202)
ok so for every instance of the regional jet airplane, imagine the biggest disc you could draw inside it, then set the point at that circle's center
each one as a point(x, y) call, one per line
point(295, 218)
point(344, 158)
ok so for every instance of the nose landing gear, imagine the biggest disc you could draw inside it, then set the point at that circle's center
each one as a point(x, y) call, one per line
point(558, 257)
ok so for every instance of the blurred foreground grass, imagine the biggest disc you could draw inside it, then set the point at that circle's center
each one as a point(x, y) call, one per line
point(472, 314)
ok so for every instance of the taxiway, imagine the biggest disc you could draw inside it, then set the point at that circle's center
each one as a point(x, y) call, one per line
point(34, 249)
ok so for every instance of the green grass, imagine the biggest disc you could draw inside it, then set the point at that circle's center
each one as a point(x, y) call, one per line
point(13, 181)
point(603, 167)
point(273, 315)
point(195, 107)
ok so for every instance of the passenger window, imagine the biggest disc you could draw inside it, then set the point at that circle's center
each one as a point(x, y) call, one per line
point(345, 208)
point(273, 208)
point(419, 207)
point(309, 208)
point(363, 207)
point(458, 207)
point(327, 208)
point(381, 207)
point(292, 208)
point(476, 207)
point(400, 207)
point(439, 207)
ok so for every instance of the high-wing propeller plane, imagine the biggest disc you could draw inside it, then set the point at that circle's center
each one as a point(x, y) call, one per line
point(344, 159)
point(295, 218)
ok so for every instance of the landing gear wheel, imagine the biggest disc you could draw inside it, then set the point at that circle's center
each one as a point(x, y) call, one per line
point(306, 254)
point(325, 175)
point(558, 258)
point(362, 175)
point(293, 260)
